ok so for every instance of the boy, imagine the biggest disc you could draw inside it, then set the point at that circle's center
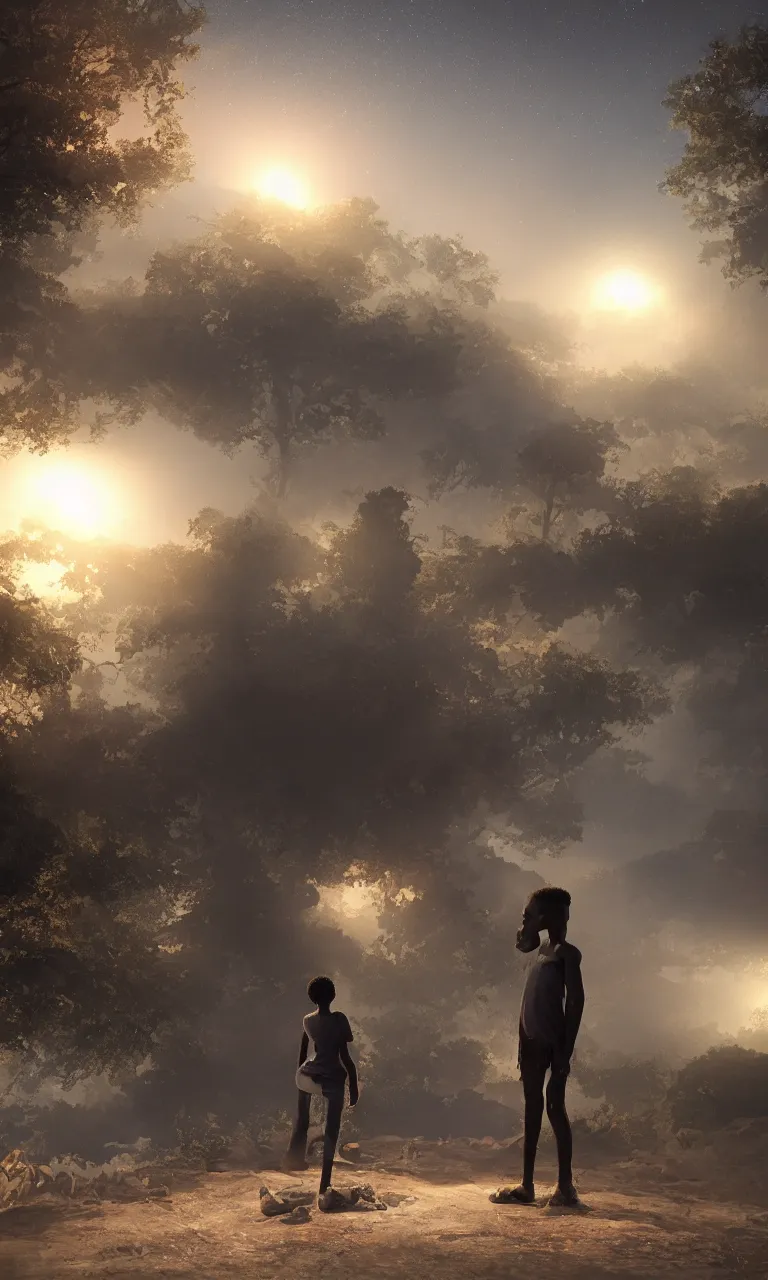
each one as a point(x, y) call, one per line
point(325, 1072)
point(550, 1016)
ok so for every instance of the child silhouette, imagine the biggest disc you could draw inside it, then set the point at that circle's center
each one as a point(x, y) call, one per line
point(323, 1073)
point(550, 1017)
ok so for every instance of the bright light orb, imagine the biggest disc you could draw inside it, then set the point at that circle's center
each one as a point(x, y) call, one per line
point(625, 291)
point(284, 186)
point(70, 497)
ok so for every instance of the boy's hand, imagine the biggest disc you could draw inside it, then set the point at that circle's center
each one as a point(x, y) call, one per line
point(354, 1097)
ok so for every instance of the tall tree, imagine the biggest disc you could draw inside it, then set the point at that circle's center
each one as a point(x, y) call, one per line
point(317, 720)
point(722, 178)
point(68, 70)
point(273, 335)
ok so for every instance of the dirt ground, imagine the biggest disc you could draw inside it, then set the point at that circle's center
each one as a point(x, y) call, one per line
point(641, 1219)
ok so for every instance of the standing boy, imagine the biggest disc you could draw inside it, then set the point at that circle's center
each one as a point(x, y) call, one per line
point(324, 1072)
point(550, 1016)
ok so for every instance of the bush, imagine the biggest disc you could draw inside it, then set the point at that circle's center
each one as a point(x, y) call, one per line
point(724, 1084)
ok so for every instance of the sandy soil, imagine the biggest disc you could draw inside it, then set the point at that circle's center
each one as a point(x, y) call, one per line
point(637, 1223)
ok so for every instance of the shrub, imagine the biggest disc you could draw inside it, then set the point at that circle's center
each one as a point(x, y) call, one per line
point(722, 1085)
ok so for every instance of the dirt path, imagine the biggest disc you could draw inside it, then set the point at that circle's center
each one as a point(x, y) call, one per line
point(213, 1230)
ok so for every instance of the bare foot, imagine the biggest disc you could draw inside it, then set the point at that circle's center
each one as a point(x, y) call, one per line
point(566, 1197)
point(514, 1195)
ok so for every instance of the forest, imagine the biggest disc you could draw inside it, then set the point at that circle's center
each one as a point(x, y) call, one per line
point(537, 624)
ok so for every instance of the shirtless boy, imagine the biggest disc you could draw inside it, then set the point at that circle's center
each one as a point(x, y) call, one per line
point(550, 1016)
point(325, 1072)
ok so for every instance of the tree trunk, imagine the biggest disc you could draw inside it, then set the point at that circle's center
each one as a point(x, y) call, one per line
point(546, 518)
point(284, 430)
point(282, 468)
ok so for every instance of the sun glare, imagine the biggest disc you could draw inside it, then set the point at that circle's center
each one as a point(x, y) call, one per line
point(69, 496)
point(624, 291)
point(282, 185)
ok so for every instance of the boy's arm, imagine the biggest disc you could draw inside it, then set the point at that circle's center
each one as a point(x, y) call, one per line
point(351, 1069)
point(574, 998)
point(304, 1049)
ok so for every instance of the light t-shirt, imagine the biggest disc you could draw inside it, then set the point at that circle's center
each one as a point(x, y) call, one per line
point(328, 1034)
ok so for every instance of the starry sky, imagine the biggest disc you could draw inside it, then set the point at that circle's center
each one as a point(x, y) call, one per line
point(533, 126)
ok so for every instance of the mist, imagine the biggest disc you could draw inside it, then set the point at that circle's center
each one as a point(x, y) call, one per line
point(361, 574)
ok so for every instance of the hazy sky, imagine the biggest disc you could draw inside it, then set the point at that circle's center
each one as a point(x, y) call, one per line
point(535, 129)
point(518, 122)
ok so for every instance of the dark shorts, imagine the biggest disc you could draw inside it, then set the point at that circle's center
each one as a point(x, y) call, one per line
point(534, 1057)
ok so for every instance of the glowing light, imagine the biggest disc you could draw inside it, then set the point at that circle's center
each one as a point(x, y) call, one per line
point(69, 496)
point(282, 185)
point(625, 291)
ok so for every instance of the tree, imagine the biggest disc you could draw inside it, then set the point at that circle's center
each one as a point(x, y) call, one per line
point(543, 473)
point(81, 895)
point(241, 337)
point(315, 722)
point(722, 178)
point(562, 468)
point(466, 273)
point(67, 72)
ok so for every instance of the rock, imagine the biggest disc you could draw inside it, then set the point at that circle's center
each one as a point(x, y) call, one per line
point(351, 1151)
point(298, 1215)
point(364, 1195)
point(363, 1191)
point(270, 1206)
point(332, 1201)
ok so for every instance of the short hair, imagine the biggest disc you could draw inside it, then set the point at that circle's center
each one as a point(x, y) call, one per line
point(321, 991)
point(549, 896)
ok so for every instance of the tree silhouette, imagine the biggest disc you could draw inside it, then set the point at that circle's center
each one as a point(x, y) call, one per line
point(541, 473)
point(67, 73)
point(242, 339)
point(722, 178)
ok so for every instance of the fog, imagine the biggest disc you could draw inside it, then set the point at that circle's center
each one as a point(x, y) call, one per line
point(400, 580)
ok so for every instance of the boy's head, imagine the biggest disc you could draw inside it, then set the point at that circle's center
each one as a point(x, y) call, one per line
point(321, 991)
point(547, 908)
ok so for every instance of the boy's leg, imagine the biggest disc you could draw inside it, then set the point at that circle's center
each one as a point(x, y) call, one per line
point(297, 1148)
point(533, 1093)
point(532, 1063)
point(561, 1127)
point(332, 1126)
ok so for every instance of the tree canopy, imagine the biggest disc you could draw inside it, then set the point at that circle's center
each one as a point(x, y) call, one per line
point(722, 178)
point(68, 72)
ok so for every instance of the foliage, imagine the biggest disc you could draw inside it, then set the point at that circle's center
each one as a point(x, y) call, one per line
point(723, 1085)
point(278, 332)
point(314, 715)
point(630, 1088)
point(295, 712)
point(722, 178)
point(544, 474)
point(67, 73)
